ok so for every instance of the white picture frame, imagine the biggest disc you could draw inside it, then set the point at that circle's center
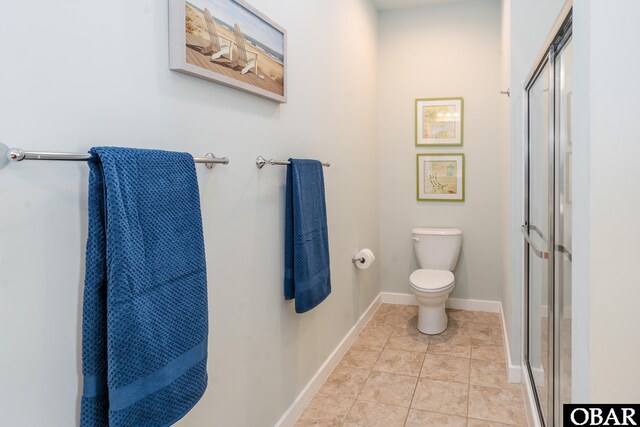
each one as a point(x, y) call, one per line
point(216, 48)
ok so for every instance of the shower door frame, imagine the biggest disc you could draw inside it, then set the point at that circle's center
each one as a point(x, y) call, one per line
point(559, 36)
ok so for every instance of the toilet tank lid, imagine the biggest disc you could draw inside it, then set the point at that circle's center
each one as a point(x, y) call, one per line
point(437, 231)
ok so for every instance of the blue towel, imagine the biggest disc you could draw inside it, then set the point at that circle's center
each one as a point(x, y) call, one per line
point(306, 255)
point(144, 320)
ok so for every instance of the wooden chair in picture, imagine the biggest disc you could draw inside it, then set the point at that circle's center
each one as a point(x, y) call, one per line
point(248, 59)
point(220, 46)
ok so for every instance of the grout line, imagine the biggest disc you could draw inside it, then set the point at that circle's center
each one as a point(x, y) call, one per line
point(424, 356)
point(370, 370)
point(469, 390)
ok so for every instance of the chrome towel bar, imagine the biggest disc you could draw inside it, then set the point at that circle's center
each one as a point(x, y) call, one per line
point(261, 161)
point(17, 155)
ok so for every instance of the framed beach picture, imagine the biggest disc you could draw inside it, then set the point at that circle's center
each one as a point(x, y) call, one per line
point(229, 42)
point(439, 122)
point(440, 177)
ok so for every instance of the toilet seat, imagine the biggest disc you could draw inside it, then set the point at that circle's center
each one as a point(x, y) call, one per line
point(431, 280)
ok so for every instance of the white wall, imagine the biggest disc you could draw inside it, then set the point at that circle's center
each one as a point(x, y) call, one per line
point(581, 170)
point(429, 52)
point(531, 21)
point(606, 278)
point(78, 74)
point(505, 137)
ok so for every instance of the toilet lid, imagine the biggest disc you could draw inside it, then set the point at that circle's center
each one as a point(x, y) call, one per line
point(431, 280)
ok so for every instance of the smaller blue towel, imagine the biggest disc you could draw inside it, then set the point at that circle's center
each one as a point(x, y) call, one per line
point(306, 255)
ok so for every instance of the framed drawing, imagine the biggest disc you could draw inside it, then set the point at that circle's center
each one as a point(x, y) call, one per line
point(229, 42)
point(439, 122)
point(440, 177)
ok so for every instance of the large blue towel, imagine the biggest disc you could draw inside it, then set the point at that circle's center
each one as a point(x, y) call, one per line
point(144, 320)
point(306, 256)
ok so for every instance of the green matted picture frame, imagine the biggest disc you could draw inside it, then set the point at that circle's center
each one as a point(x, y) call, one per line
point(439, 122)
point(440, 177)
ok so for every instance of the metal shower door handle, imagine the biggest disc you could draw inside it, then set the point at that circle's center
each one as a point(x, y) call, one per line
point(564, 251)
point(539, 253)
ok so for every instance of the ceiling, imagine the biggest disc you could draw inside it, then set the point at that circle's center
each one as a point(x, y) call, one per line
point(401, 4)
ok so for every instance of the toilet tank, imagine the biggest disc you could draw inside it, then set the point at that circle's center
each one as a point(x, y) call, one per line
point(437, 248)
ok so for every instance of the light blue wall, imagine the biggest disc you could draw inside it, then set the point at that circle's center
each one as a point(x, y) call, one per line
point(431, 52)
point(79, 74)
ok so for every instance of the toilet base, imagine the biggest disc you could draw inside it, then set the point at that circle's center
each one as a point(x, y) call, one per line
point(432, 317)
point(432, 320)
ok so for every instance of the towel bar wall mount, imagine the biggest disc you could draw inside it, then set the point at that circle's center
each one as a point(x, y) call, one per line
point(18, 155)
point(261, 161)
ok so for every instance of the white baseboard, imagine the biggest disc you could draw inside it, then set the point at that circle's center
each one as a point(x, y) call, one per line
point(454, 303)
point(474, 305)
point(514, 372)
point(402, 299)
point(292, 414)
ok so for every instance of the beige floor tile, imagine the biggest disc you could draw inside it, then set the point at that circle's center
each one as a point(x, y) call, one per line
point(446, 368)
point(486, 351)
point(400, 318)
point(345, 381)
point(481, 423)
point(460, 315)
point(408, 340)
point(394, 313)
point(504, 405)
point(381, 323)
point(484, 332)
point(456, 345)
point(422, 418)
point(441, 396)
point(490, 318)
point(454, 327)
point(361, 357)
point(389, 308)
point(325, 411)
point(488, 373)
point(373, 329)
point(368, 414)
point(409, 327)
point(399, 362)
point(390, 389)
point(411, 309)
point(381, 371)
point(373, 337)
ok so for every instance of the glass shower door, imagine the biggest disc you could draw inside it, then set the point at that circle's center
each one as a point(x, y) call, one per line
point(537, 231)
point(563, 213)
point(547, 225)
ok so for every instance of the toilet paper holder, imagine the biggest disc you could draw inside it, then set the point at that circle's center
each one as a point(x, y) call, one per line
point(363, 258)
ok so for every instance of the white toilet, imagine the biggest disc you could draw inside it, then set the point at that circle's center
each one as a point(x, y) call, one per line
point(437, 250)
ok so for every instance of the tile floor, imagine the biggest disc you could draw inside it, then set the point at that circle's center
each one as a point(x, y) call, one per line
point(394, 376)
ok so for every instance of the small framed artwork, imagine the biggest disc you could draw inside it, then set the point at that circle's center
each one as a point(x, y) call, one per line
point(229, 42)
point(439, 122)
point(440, 177)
